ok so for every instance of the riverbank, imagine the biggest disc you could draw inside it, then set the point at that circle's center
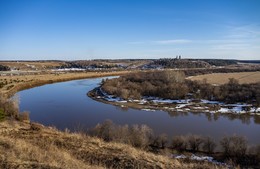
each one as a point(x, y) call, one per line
point(31, 145)
point(168, 105)
point(13, 84)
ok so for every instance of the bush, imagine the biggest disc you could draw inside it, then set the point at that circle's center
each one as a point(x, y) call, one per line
point(195, 142)
point(165, 84)
point(171, 84)
point(121, 134)
point(234, 147)
point(10, 107)
point(140, 136)
point(209, 145)
point(137, 136)
point(104, 130)
point(160, 141)
point(179, 143)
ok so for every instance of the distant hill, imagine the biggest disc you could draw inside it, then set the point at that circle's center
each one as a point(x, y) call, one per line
point(219, 62)
point(249, 61)
point(191, 63)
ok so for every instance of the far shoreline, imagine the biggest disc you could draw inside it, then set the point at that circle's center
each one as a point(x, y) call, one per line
point(194, 106)
point(49, 78)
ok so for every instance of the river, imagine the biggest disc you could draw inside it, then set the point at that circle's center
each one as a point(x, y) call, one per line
point(66, 105)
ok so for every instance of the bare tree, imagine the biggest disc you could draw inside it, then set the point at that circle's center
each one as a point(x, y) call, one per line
point(209, 145)
point(160, 141)
point(195, 142)
point(234, 147)
point(140, 136)
point(103, 130)
point(121, 134)
point(179, 143)
point(10, 107)
point(225, 142)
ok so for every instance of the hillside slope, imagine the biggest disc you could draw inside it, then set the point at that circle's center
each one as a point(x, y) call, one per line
point(31, 145)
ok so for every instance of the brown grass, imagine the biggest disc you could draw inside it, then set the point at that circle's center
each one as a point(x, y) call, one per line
point(222, 78)
point(26, 65)
point(22, 146)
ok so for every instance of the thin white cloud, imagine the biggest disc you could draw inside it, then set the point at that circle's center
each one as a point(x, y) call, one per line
point(231, 46)
point(173, 41)
point(136, 42)
point(244, 32)
point(162, 42)
point(238, 42)
point(238, 38)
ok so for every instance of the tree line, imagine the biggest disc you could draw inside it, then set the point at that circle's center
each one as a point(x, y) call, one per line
point(198, 71)
point(181, 63)
point(192, 63)
point(233, 147)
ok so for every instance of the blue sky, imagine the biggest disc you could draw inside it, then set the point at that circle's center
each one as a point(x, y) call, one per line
point(112, 29)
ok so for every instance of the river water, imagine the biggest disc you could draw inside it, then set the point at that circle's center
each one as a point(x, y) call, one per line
point(66, 105)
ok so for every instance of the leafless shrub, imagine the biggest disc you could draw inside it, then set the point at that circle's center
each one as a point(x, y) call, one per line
point(234, 147)
point(173, 76)
point(179, 143)
point(121, 134)
point(167, 84)
point(103, 130)
point(10, 106)
point(137, 136)
point(209, 145)
point(140, 136)
point(226, 145)
point(124, 93)
point(160, 141)
point(195, 142)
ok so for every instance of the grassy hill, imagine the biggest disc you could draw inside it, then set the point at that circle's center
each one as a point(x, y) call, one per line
point(31, 145)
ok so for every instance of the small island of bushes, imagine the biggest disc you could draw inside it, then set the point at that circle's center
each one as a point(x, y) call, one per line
point(170, 89)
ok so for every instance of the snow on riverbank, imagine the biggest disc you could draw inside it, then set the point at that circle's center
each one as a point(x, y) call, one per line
point(187, 105)
point(200, 158)
point(68, 69)
point(147, 109)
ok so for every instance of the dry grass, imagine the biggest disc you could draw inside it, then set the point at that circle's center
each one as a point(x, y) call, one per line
point(29, 65)
point(22, 145)
point(222, 78)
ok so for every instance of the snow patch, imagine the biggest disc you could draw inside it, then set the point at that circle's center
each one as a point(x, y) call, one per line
point(200, 158)
point(179, 106)
point(147, 109)
point(211, 102)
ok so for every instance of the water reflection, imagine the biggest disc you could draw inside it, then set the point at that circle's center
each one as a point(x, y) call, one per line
point(244, 118)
